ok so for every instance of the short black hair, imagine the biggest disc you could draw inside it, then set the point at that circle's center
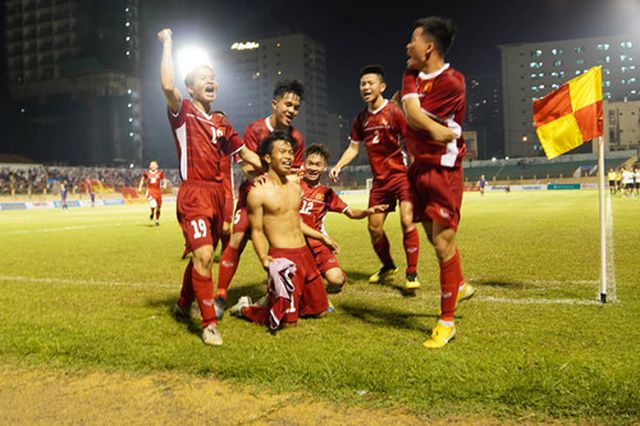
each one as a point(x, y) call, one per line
point(373, 69)
point(189, 79)
point(266, 146)
point(317, 148)
point(441, 30)
point(288, 86)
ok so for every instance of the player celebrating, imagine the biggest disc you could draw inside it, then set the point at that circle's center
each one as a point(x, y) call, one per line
point(202, 137)
point(156, 182)
point(273, 210)
point(433, 95)
point(285, 104)
point(317, 200)
point(380, 126)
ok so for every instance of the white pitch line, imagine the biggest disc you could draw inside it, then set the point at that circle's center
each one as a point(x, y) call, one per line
point(60, 229)
point(9, 278)
point(537, 283)
point(492, 299)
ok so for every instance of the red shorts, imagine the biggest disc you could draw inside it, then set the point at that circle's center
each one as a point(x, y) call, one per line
point(436, 193)
point(241, 220)
point(309, 296)
point(325, 259)
point(199, 208)
point(387, 192)
point(155, 195)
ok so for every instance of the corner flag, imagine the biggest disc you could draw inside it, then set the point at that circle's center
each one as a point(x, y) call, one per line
point(570, 115)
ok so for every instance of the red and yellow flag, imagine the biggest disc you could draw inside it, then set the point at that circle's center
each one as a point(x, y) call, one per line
point(570, 115)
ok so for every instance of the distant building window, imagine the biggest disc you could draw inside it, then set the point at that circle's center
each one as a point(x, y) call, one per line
point(557, 63)
point(554, 74)
point(555, 86)
point(557, 51)
point(607, 95)
point(625, 58)
point(535, 65)
point(607, 83)
point(541, 86)
point(536, 53)
point(580, 62)
point(626, 45)
point(578, 72)
point(579, 49)
point(534, 88)
point(606, 71)
point(603, 46)
point(607, 59)
point(633, 92)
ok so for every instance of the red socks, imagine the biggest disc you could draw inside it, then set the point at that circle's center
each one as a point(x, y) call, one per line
point(203, 287)
point(157, 214)
point(383, 250)
point(187, 296)
point(411, 242)
point(224, 241)
point(450, 280)
point(228, 267)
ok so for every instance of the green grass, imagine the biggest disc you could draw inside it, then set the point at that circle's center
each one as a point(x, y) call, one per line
point(93, 288)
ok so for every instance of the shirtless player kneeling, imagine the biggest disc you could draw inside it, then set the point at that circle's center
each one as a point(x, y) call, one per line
point(296, 287)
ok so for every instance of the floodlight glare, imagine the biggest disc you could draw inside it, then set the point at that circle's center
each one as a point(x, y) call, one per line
point(191, 57)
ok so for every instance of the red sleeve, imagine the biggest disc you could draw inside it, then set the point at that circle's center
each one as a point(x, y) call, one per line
point(251, 139)
point(409, 86)
point(356, 130)
point(335, 202)
point(177, 119)
point(298, 159)
point(162, 175)
point(232, 142)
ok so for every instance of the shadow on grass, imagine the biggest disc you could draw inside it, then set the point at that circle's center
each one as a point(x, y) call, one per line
point(389, 282)
point(515, 285)
point(388, 317)
point(255, 291)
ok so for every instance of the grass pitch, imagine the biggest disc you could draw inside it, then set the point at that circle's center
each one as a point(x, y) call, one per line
point(93, 288)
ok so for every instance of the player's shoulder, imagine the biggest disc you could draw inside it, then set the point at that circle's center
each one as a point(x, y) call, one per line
point(452, 76)
point(296, 134)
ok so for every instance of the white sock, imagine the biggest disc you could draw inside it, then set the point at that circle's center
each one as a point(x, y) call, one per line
point(446, 323)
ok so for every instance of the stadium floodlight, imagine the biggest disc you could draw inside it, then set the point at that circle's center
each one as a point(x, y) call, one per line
point(493, 158)
point(191, 57)
point(506, 158)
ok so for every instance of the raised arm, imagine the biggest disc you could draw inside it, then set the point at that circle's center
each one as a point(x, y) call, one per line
point(167, 80)
point(421, 121)
point(348, 156)
point(255, 213)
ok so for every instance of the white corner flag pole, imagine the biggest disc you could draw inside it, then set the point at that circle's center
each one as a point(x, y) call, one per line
point(603, 213)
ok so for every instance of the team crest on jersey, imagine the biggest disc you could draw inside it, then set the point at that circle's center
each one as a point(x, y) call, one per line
point(319, 196)
point(427, 86)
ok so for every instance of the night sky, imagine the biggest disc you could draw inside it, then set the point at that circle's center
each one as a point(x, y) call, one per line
point(357, 33)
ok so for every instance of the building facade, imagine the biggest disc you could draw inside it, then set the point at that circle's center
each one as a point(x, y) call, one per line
point(256, 66)
point(532, 70)
point(71, 74)
point(484, 114)
point(622, 125)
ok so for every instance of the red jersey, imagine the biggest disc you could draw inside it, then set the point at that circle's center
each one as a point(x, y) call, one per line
point(381, 131)
point(259, 129)
point(442, 97)
point(154, 179)
point(202, 140)
point(316, 202)
point(227, 173)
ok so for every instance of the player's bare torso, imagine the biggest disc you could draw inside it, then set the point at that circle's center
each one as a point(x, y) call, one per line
point(281, 218)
